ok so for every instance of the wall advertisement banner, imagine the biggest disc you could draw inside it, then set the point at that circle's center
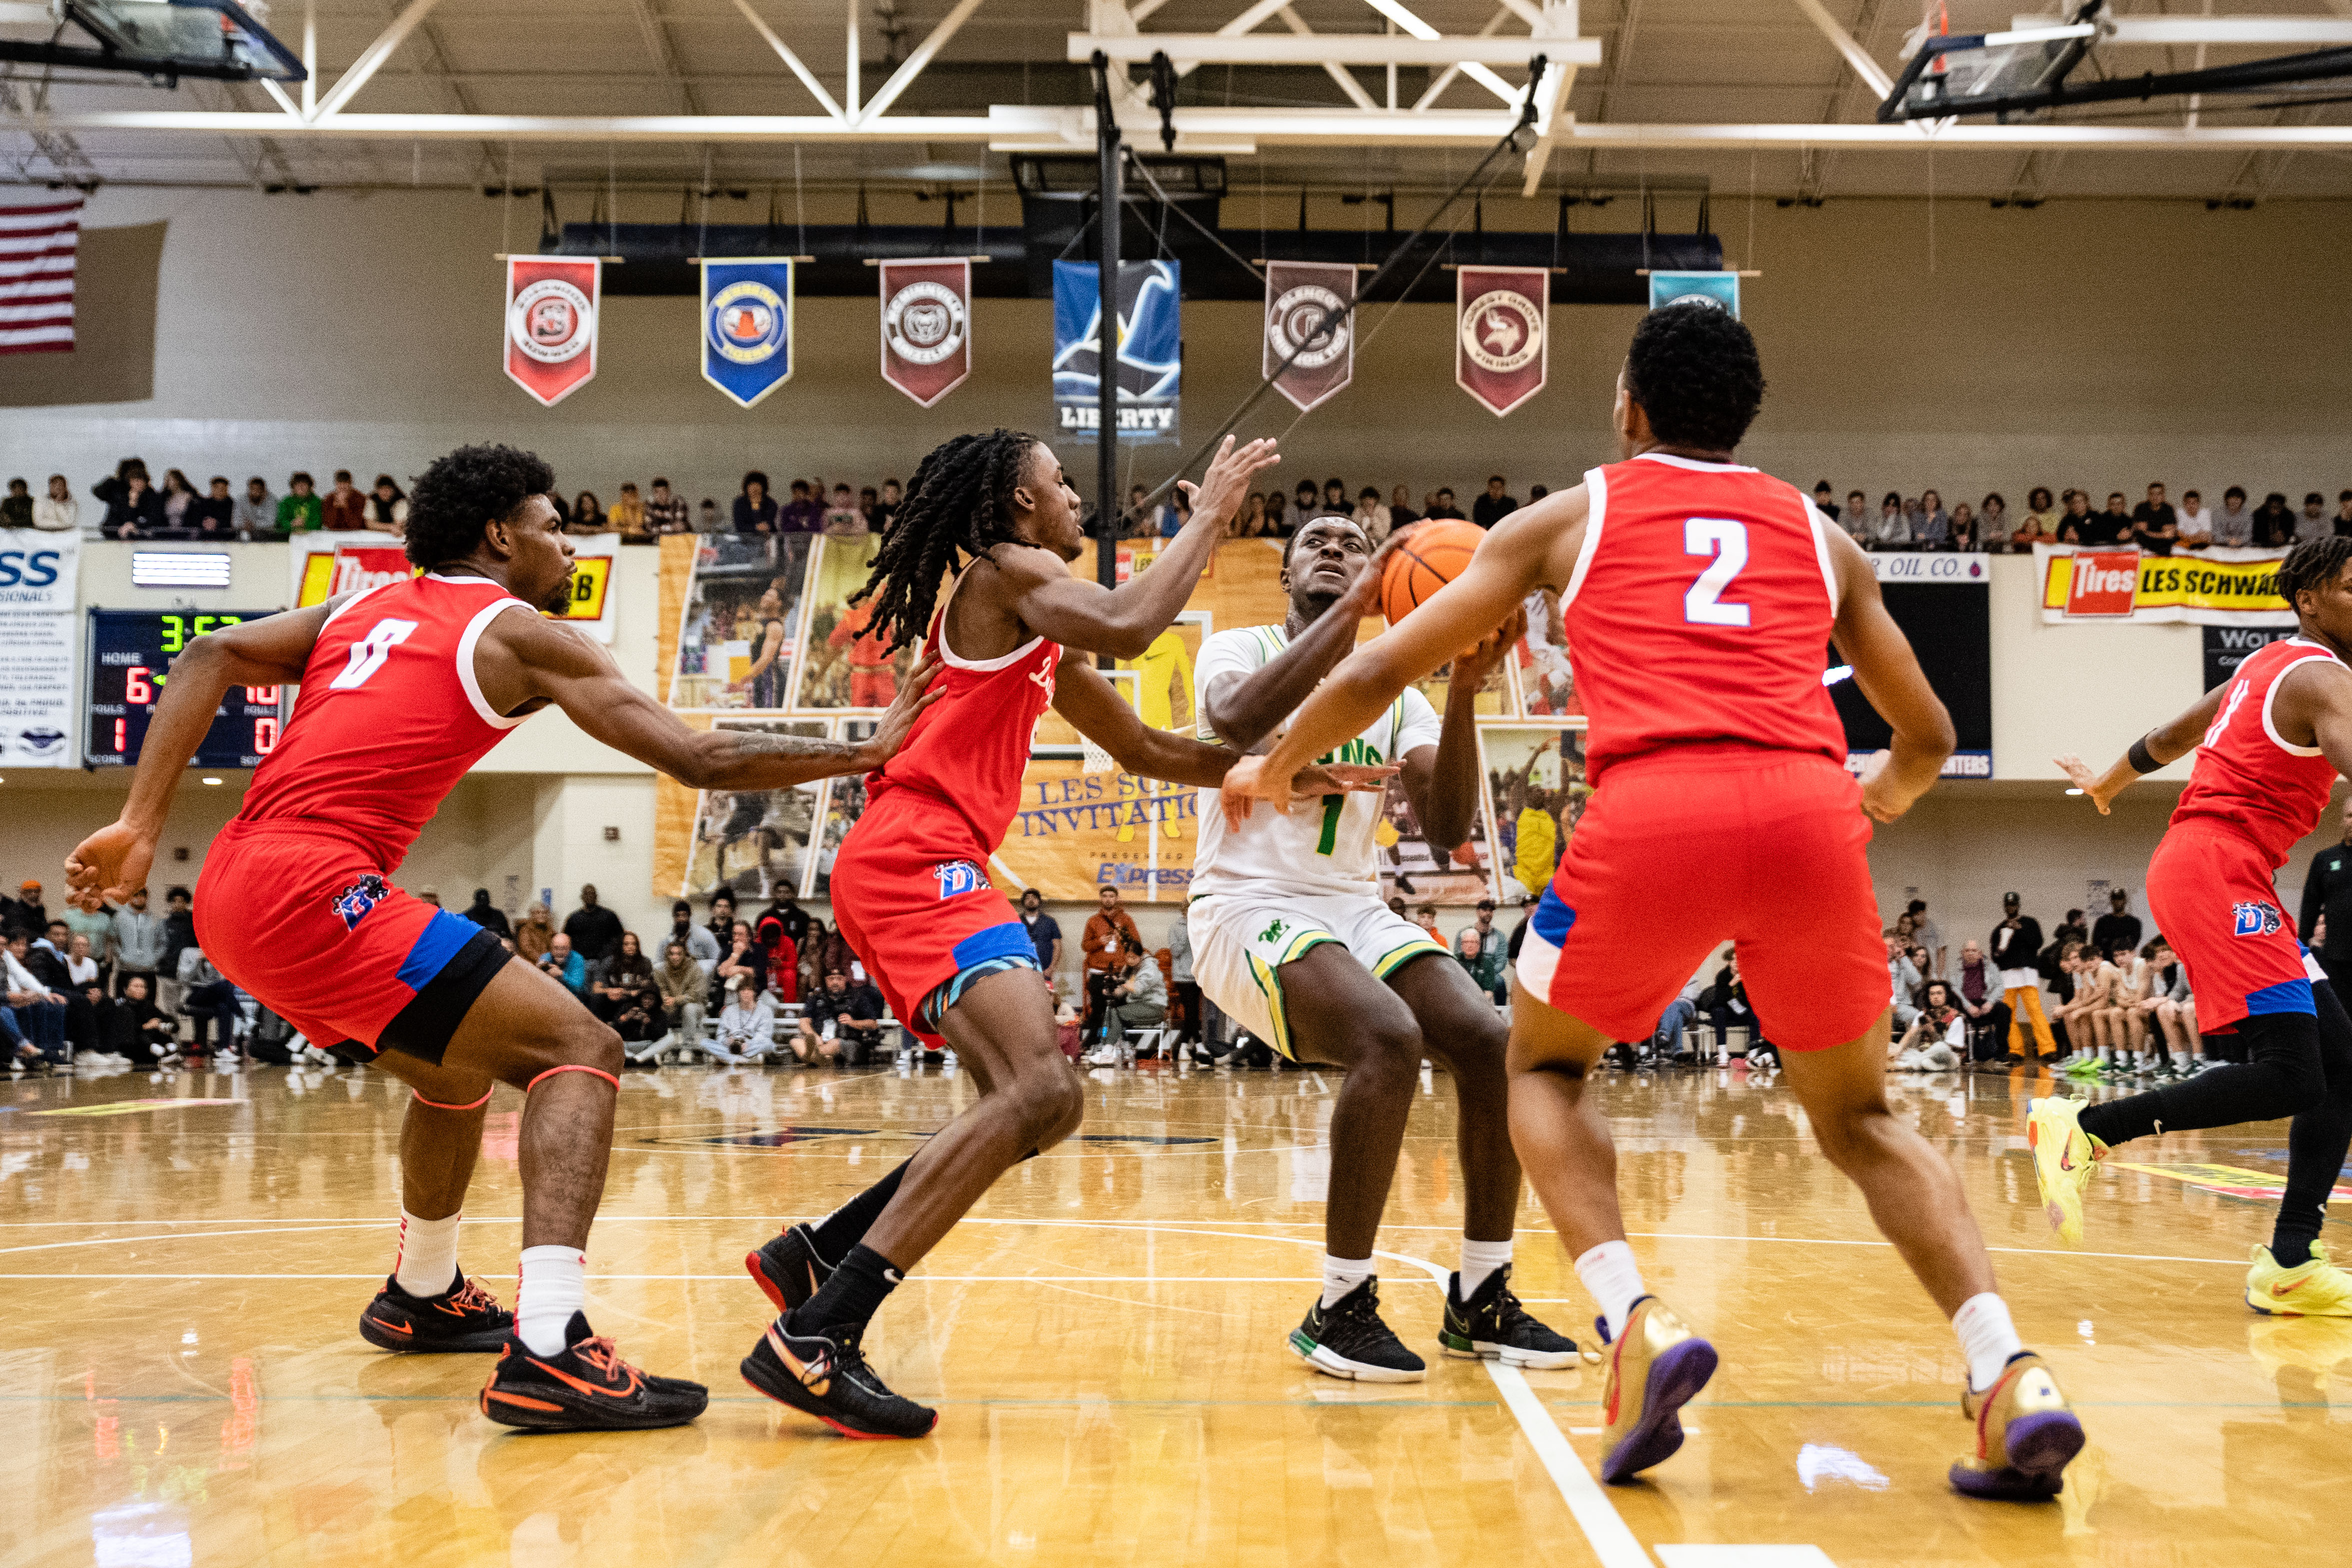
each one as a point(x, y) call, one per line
point(325, 565)
point(2226, 647)
point(926, 326)
point(40, 575)
point(2207, 587)
point(1149, 357)
point(550, 324)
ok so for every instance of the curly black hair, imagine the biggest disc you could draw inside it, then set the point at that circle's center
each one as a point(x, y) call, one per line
point(2312, 564)
point(461, 494)
point(1694, 370)
point(960, 500)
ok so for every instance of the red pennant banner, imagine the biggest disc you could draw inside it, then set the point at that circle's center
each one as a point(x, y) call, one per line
point(551, 321)
point(1501, 332)
point(926, 325)
point(1305, 301)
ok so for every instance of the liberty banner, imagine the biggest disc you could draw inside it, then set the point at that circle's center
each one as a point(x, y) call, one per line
point(2222, 586)
point(1500, 344)
point(1310, 326)
point(550, 324)
point(926, 326)
point(1150, 354)
point(747, 327)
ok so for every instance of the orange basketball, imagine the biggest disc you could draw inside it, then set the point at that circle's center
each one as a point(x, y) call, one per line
point(1428, 558)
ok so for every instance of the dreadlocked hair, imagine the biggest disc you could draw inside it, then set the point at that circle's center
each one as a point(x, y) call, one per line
point(2312, 564)
point(960, 500)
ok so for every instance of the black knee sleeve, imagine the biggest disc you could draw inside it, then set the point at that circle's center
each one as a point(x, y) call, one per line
point(2279, 1076)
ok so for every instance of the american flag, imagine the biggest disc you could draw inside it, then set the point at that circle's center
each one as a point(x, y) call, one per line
point(36, 277)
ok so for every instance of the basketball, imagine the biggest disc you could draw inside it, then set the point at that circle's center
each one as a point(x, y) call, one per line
point(1429, 557)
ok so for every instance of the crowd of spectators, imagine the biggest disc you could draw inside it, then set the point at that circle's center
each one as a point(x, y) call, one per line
point(2155, 524)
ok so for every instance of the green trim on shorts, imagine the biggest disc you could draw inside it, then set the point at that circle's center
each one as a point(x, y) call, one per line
point(1395, 959)
point(1270, 983)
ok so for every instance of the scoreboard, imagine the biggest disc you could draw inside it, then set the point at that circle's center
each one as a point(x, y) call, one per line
point(129, 657)
point(1949, 626)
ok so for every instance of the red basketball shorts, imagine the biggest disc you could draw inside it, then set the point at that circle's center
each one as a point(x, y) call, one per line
point(2210, 892)
point(1683, 847)
point(911, 890)
point(305, 922)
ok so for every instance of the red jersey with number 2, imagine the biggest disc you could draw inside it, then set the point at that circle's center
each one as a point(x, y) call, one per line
point(2246, 778)
point(1698, 612)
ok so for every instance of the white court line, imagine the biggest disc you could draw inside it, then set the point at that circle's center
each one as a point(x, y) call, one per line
point(1612, 1542)
point(738, 1275)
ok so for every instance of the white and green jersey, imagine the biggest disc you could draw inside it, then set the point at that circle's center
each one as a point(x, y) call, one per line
point(1326, 847)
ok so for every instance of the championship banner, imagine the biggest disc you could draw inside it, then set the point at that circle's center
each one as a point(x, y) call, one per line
point(2208, 588)
point(926, 326)
point(1500, 331)
point(1305, 302)
point(747, 327)
point(327, 566)
point(1718, 289)
point(1149, 357)
point(39, 575)
point(551, 324)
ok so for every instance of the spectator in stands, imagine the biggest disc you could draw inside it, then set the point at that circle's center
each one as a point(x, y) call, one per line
point(58, 512)
point(2314, 523)
point(1441, 507)
point(534, 934)
point(1893, 530)
point(587, 516)
point(705, 517)
point(797, 923)
point(255, 514)
point(2030, 532)
point(1251, 524)
point(885, 507)
point(2119, 926)
point(2043, 508)
point(1727, 1007)
point(485, 914)
point(2076, 524)
point(1482, 926)
point(2273, 523)
point(136, 943)
point(595, 930)
point(1045, 933)
point(1140, 522)
point(387, 506)
point(1185, 1009)
point(1903, 979)
point(2114, 524)
point(178, 495)
point(841, 1023)
point(1335, 498)
point(1993, 523)
point(774, 938)
point(2233, 525)
point(2196, 522)
point(566, 964)
point(211, 516)
point(627, 517)
point(1426, 918)
point(2015, 949)
point(1964, 536)
point(2073, 929)
point(39, 1009)
point(16, 510)
point(133, 509)
point(2154, 518)
point(1825, 500)
point(742, 960)
point(26, 909)
point(206, 997)
point(1979, 998)
point(299, 510)
point(722, 919)
point(1305, 502)
point(1110, 935)
point(1938, 1037)
point(1493, 505)
point(1278, 525)
point(804, 513)
point(1482, 956)
point(1929, 934)
point(1400, 512)
point(667, 513)
point(179, 935)
point(135, 1028)
point(1667, 1039)
point(625, 995)
point(1931, 525)
point(1137, 997)
point(1370, 515)
point(682, 984)
point(747, 1028)
point(1855, 519)
point(342, 509)
point(2343, 524)
point(755, 509)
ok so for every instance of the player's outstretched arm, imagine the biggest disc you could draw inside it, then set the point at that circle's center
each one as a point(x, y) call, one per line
point(2167, 742)
point(1123, 620)
point(1513, 560)
point(1441, 780)
point(1888, 673)
point(1096, 708)
point(524, 662)
point(109, 864)
point(1243, 709)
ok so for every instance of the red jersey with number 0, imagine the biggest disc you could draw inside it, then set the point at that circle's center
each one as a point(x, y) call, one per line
point(389, 715)
point(1698, 612)
point(2246, 777)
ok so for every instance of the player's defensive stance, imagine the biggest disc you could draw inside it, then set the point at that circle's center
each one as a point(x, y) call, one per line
point(1698, 597)
point(1289, 936)
point(2270, 741)
point(404, 687)
point(910, 887)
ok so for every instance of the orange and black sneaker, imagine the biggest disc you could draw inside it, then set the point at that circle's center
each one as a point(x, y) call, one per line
point(825, 1375)
point(586, 1387)
point(463, 1318)
point(788, 1267)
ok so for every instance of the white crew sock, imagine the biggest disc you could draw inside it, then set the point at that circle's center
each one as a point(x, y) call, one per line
point(1341, 1275)
point(554, 1286)
point(1610, 1272)
point(428, 1260)
point(1480, 1258)
point(1987, 1338)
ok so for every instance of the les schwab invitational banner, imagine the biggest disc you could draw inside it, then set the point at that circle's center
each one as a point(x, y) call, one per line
point(2207, 587)
point(327, 565)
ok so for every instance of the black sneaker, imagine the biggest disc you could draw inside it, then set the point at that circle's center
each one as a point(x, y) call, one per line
point(1348, 1339)
point(825, 1375)
point(463, 1318)
point(586, 1387)
point(1492, 1326)
point(788, 1267)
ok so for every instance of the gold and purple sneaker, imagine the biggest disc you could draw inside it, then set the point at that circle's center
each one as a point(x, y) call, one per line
point(1655, 1367)
point(2026, 1435)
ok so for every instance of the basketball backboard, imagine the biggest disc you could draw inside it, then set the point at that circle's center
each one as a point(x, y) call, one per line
point(2003, 70)
point(164, 39)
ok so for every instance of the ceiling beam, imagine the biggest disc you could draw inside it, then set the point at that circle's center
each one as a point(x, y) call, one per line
point(1471, 65)
point(1868, 69)
point(1311, 48)
point(655, 28)
point(373, 58)
point(925, 52)
point(1331, 67)
point(785, 53)
point(1445, 78)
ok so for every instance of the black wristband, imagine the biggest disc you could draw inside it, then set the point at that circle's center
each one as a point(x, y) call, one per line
point(2141, 759)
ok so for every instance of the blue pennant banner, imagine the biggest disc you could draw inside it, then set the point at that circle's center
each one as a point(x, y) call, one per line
point(1718, 288)
point(1150, 355)
point(747, 327)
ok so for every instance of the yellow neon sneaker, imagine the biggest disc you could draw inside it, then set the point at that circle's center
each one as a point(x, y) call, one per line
point(1655, 1367)
point(2025, 1436)
point(2064, 1158)
point(2316, 1289)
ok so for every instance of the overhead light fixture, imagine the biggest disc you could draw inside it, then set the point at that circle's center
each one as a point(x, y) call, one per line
point(179, 569)
point(2074, 791)
point(211, 780)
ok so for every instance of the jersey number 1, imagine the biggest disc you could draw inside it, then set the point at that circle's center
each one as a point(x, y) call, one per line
point(1726, 541)
point(367, 655)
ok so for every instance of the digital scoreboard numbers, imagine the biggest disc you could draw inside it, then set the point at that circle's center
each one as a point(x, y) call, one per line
point(129, 661)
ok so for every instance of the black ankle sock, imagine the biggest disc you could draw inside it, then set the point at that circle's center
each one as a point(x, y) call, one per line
point(845, 1226)
point(851, 1297)
point(2114, 1121)
point(2291, 1238)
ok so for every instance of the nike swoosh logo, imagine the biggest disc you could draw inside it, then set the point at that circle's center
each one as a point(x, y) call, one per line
point(2065, 1163)
point(2282, 1290)
point(816, 1376)
point(393, 1328)
point(590, 1389)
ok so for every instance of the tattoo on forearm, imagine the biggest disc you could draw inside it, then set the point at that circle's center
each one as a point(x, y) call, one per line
point(754, 743)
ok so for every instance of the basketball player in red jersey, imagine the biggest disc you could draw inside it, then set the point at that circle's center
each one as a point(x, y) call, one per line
point(404, 687)
point(1697, 596)
point(910, 887)
point(2270, 742)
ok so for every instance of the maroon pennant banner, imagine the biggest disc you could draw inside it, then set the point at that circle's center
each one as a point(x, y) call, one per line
point(1501, 333)
point(927, 325)
point(551, 321)
point(1306, 314)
